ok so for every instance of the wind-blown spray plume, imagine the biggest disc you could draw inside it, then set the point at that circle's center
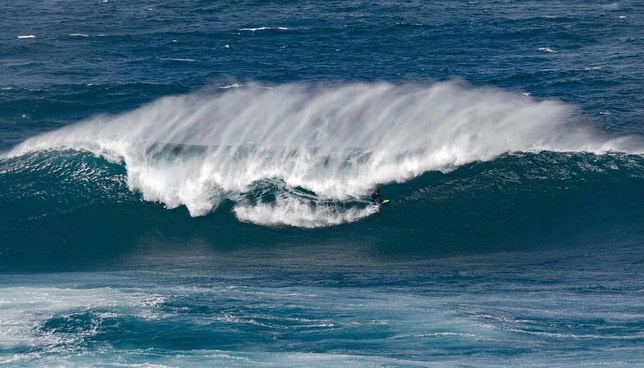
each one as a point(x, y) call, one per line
point(337, 142)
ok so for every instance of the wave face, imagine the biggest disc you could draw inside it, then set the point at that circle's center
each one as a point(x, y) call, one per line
point(307, 155)
point(468, 171)
point(66, 209)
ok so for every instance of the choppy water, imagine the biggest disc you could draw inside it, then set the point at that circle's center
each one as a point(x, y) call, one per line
point(187, 183)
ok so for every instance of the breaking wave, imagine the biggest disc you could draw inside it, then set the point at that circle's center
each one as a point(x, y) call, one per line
point(321, 148)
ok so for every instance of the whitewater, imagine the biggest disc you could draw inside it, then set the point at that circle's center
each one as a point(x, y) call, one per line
point(335, 142)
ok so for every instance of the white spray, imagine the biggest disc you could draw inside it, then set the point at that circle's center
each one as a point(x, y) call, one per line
point(336, 141)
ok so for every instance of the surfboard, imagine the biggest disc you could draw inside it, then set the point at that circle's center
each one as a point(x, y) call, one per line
point(384, 201)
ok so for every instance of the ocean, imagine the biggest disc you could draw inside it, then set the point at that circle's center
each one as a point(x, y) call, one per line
point(187, 183)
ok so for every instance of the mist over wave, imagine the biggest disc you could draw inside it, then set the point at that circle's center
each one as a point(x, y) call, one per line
point(323, 146)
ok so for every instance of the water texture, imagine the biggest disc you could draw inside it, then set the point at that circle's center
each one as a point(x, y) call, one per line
point(187, 183)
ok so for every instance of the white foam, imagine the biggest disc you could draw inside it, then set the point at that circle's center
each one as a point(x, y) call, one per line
point(185, 60)
point(546, 49)
point(78, 35)
point(24, 309)
point(264, 29)
point(336, 141)
point(293, 211)
point(234, 85)
point(26, 36)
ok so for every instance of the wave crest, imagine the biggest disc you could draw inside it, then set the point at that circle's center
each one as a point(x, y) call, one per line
point(337, 142)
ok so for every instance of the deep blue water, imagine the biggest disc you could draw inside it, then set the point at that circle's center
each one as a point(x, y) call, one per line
point(186, 183)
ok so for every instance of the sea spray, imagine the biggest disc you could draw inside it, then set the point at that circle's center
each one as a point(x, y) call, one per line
point(335, 141)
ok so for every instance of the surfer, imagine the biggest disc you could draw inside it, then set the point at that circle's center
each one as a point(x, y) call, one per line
point(376, 197)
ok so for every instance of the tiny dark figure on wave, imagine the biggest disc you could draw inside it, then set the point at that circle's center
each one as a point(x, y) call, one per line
point(376, 197)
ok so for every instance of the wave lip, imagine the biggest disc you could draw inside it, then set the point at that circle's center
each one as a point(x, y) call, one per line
point(335, 141)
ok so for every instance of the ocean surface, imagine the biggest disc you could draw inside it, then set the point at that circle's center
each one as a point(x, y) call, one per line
point(187, 183)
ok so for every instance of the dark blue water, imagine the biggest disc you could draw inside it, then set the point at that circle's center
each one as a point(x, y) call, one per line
point(187, 183)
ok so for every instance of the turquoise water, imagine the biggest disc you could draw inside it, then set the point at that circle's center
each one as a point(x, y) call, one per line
point(188, 184)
